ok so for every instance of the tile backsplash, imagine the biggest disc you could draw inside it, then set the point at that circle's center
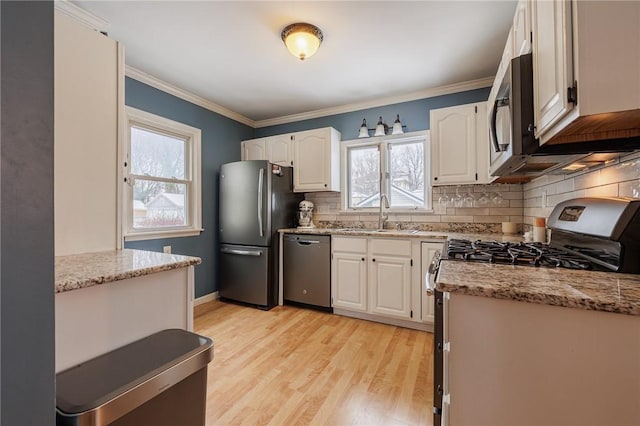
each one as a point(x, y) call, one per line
point(519, 203)
point(476, 216)
point(619, 179)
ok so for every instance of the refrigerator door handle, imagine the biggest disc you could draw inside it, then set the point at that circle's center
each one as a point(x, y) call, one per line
point(241, 252)
point(260, 183)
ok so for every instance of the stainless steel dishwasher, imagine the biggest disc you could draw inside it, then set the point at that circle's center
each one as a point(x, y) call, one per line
point(307, 269)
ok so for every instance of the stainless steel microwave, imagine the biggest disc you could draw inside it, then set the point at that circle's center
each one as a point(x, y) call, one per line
point(511, 122)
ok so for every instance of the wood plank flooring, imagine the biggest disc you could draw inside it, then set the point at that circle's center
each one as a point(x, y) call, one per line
point(294, 366)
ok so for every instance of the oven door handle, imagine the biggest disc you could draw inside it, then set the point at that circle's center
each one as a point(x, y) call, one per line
point(430, 276)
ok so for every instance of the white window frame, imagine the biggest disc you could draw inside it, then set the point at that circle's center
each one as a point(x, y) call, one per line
point(192, 179)
point(383, 142)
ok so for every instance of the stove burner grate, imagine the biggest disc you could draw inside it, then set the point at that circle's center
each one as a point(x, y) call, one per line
point(531, 254)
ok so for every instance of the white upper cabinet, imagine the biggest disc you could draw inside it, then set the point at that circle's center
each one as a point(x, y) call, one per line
point(521, 30)
point(89, 101)
point(254, 149)
point(316, 160)
point(314, 155)
point(552, 63)
point(279, 149)
point(586, 61)
point(459, 145)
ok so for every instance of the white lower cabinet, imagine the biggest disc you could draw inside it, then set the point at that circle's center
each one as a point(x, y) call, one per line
point(375, 278)
point(390, 277)
point(349, 273)
point(427, 250)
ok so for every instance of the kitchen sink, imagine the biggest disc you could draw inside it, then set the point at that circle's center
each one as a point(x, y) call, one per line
point(399, 231)
point(379, 231)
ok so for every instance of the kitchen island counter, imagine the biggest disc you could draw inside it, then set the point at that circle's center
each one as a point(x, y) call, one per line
point(89, 269)
point(108, 299)
point(590, 290)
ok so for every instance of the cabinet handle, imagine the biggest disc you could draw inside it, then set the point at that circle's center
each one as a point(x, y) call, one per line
point(373, 260)
point(363, 259)
point(435, 178)
point(325, 185)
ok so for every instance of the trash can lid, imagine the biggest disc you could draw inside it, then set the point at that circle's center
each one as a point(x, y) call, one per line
point(107, 377)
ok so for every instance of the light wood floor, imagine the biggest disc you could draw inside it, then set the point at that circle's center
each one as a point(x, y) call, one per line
point(293, 366)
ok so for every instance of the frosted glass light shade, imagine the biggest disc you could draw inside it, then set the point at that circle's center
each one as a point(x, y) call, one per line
point(397, 126)
point(380, 128)
point(302, 39)
point(364, 131)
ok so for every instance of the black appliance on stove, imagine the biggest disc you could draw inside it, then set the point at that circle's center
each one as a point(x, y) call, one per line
point(599, 234)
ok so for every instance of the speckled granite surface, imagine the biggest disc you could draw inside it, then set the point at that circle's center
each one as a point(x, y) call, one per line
point(425, 235)
point(89, 269)
point(599, 291)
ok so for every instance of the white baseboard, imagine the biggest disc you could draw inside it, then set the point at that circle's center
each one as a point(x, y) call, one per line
point(206, 298)
point(421, 326)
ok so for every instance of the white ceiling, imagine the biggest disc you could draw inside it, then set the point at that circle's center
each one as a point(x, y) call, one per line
point(230, 52)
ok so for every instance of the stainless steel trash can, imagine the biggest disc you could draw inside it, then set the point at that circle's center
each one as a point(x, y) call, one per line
point(160, 380)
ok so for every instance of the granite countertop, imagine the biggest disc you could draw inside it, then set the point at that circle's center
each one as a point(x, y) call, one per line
point(89, 269)
point(405, 233)
point(591, 290)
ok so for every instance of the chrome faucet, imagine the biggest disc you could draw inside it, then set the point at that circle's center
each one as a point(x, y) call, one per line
point(382, 218)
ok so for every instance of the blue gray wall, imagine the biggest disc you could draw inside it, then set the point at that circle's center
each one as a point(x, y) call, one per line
point(221, 138)
point(27, 336)
point(413, 114)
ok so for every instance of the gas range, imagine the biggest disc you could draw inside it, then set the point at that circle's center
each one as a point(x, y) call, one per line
point(601, 234)
point(523, 253)
point(586, 233)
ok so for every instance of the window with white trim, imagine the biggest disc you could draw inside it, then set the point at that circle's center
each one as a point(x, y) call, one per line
point(162, 178)
point(394, 166)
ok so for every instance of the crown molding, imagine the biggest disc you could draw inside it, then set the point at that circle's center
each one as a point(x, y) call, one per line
point(84, 17)
point(159, 84)
point(422, 94)
point(155, 82)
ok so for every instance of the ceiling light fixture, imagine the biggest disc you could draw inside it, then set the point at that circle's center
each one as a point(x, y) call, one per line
point(302, 39)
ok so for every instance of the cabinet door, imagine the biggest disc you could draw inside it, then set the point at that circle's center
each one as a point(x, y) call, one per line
point(453, 145)
point(311, 161)
point(552, 63)
point(428, 250)
point(521, 30)
point(390, 281)
point(349, 281)
point(254, 149)
point(86, 83)
point(279, 149)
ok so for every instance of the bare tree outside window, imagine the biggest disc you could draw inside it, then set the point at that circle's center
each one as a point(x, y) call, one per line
point(405, 184)
point(406, 174)
point(158, 194)
point(364, 180)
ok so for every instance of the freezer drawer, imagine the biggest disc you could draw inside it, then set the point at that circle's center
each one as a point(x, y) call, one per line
point(245, 274)
point(307, 269)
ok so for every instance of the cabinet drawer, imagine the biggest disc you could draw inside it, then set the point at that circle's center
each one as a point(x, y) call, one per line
point(393, 247)
point(349, 244)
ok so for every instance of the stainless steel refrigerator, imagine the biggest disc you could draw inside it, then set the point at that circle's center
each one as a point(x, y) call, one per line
point(256, 199)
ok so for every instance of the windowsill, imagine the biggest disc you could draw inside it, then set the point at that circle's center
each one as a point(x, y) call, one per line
point(158, 235)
